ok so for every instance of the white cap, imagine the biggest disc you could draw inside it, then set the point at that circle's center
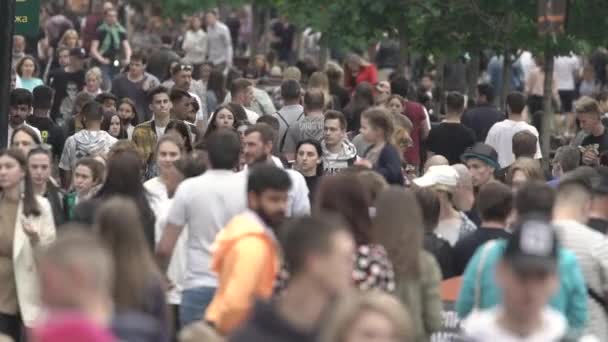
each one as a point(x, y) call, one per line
point(439, 175)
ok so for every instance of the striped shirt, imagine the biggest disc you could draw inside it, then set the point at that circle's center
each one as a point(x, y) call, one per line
point(591, 250)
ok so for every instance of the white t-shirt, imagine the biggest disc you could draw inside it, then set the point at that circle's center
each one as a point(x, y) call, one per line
point(160, 204)
point(565, 69)
point(206, 203)
point(500, 137)
point(483, 326)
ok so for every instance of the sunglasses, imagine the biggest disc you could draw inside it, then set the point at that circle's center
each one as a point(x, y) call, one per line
point(182, 67)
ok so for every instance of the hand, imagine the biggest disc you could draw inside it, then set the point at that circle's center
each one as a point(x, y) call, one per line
point(29, 230)
point(365, 163)
point(591, 157)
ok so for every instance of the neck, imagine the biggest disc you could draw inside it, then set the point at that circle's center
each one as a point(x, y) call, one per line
point(134, 77)
point(337, 148)
point(291, 102)
point(521, 326)
point(40, 189)
point(303, 304)
point(94, 126)
point(598, 130)
point(516, 117)
point(566, 213)
point(315, 113)
point(493, 224)
point(452, 117)
point(161, 121)
point(309, 173)
point(447, 211)
point(13, 194)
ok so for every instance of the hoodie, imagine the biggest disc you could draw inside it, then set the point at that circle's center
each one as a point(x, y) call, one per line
point(335, 163)
point(245, 257)
point(85, 144)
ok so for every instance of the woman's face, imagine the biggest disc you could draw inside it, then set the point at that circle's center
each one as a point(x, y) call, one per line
point(27, 69)
point(167, 153)
point(93, 83)
point(307, 159)
point(370, 134)
point(71, 42)
point(40, 168)
point(23, 141)
point(83, 179)
point(224, 119)
point(114, 126)
point(395, 106)
point(371, 326)
point(125, 112)
point(11, 173)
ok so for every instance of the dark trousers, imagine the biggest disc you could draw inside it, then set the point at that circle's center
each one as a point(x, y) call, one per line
point(11, 325)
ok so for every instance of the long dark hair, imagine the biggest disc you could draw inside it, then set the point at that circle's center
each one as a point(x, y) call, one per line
point(106, 122)
point(217, 84)
point(213, 126)
point(128, 101)
point(120, 228)
point(30, 204)
point(122, 179)
point(363, 98)
point(344, 194)
point(317, 145)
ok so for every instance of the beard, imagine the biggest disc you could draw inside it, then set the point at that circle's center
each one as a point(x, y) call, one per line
point(271, 220)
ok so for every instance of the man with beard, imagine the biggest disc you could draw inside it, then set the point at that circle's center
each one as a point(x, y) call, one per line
point(20, 108)
point(246, 255)
point(257, 149)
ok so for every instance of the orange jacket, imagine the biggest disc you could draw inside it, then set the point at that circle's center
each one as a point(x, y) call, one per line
point(246, 259)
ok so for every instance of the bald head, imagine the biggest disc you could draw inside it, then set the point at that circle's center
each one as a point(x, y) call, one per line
point(434, 161)
point(464, 196)
point(464, 176)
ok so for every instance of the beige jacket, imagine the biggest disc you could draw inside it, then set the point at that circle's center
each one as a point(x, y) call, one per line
point(26, 275)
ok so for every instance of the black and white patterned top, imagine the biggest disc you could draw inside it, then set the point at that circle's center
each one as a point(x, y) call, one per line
point(373, 270)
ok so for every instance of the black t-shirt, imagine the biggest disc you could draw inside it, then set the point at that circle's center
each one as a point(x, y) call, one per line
point(50, 132)
point(67, 85)
point(450, 139)
point(443, 253)
point(480, 119)
point(112, 52)
point(466, 247)
point(601, 141)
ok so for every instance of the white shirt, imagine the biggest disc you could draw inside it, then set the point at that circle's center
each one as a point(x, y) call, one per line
point(500, 137)
point(252, 116)
point(219, 44)
point(565, 69)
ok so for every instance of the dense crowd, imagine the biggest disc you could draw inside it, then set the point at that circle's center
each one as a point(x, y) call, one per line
point(169, 194)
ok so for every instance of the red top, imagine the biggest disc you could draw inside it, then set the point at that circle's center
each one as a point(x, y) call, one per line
point(367, 74)
point(415, 112)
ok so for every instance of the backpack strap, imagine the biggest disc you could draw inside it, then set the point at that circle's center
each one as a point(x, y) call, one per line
point(287, 126)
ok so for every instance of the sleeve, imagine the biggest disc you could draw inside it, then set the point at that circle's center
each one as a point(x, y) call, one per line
point(389, 165)
point(178, 213)
point(301, 201)
point(576, 296)
point(601, 256)
point(431, 297)
point(46, 230)
point(373, 75)
point(427, 118)
point(67, 156)
point(472, 135)
point(466, 297)
point(242, 268)
point(491, 138)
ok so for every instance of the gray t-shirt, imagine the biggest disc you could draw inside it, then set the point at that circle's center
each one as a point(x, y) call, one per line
point(309, 127)
point(206, 203)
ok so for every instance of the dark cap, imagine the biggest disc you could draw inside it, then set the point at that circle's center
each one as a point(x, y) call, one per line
point(105, 96)
point(532, 247)
point(483, 152)
point(78, 52)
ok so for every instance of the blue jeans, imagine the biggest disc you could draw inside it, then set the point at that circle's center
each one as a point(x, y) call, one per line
point(194, 304)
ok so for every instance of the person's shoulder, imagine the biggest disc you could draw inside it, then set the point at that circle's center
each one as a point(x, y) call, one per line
point(143, 125)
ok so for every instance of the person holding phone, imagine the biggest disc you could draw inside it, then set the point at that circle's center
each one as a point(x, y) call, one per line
point(595, 145)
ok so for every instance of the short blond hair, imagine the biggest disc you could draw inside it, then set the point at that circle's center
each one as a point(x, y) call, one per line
point(587, 105)
point(352, 306)
point(93, 72)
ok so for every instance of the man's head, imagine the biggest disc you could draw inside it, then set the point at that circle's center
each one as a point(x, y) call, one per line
point(20, 106)
point(524, 144)
point(242, 92)
point(536, 198)
point(485, 94)
point(138, 64)
point(110, 16)
point(588, 114)
point(74, 271)
point(92, 114)
point(482, 161)
point(314, 100)
point(334, 128)
point(182, 76)
point(88, 172)
point(160, 102)
point(464, 195)
point(319, 249)
point(495, 202)
point(181, 102)
point(18, 44)
point(400, 86)
point(454, 103)
point(566, 159)
point(43, 98)
point(291, 91)
point(435, 160)
point(267, 193)
point(224, 149)
point(527, 273)
point(257, 143)
point(516, 102)
point(108, 101)
point(211, 17)
point(574, 195)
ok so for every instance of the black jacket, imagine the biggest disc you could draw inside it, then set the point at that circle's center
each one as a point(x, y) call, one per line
point(265, 325)
point(389, 165)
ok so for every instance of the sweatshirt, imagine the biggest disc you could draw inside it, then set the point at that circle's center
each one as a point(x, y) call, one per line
point(335, 163)
point(245, 257)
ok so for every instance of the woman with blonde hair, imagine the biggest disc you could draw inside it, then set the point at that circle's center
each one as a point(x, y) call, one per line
point(398, 226)
point(93, 81)
point(365, 316)
point(319, 80)
point(70, 39)
point(523, 171)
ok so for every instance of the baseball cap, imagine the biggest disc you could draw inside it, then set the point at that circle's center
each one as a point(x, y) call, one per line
point(532, 247)
point(78, 52)
point(443, 177)
point(483, 152)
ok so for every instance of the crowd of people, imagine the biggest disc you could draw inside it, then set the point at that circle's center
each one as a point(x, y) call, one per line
point(171, 195)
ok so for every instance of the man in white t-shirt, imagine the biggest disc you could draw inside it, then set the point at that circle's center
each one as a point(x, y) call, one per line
point(205, 204)
point(500, 136)
point(565, 72)
point(242, 93)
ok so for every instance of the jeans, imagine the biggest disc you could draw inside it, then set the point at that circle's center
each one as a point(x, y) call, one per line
point(194, 304)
